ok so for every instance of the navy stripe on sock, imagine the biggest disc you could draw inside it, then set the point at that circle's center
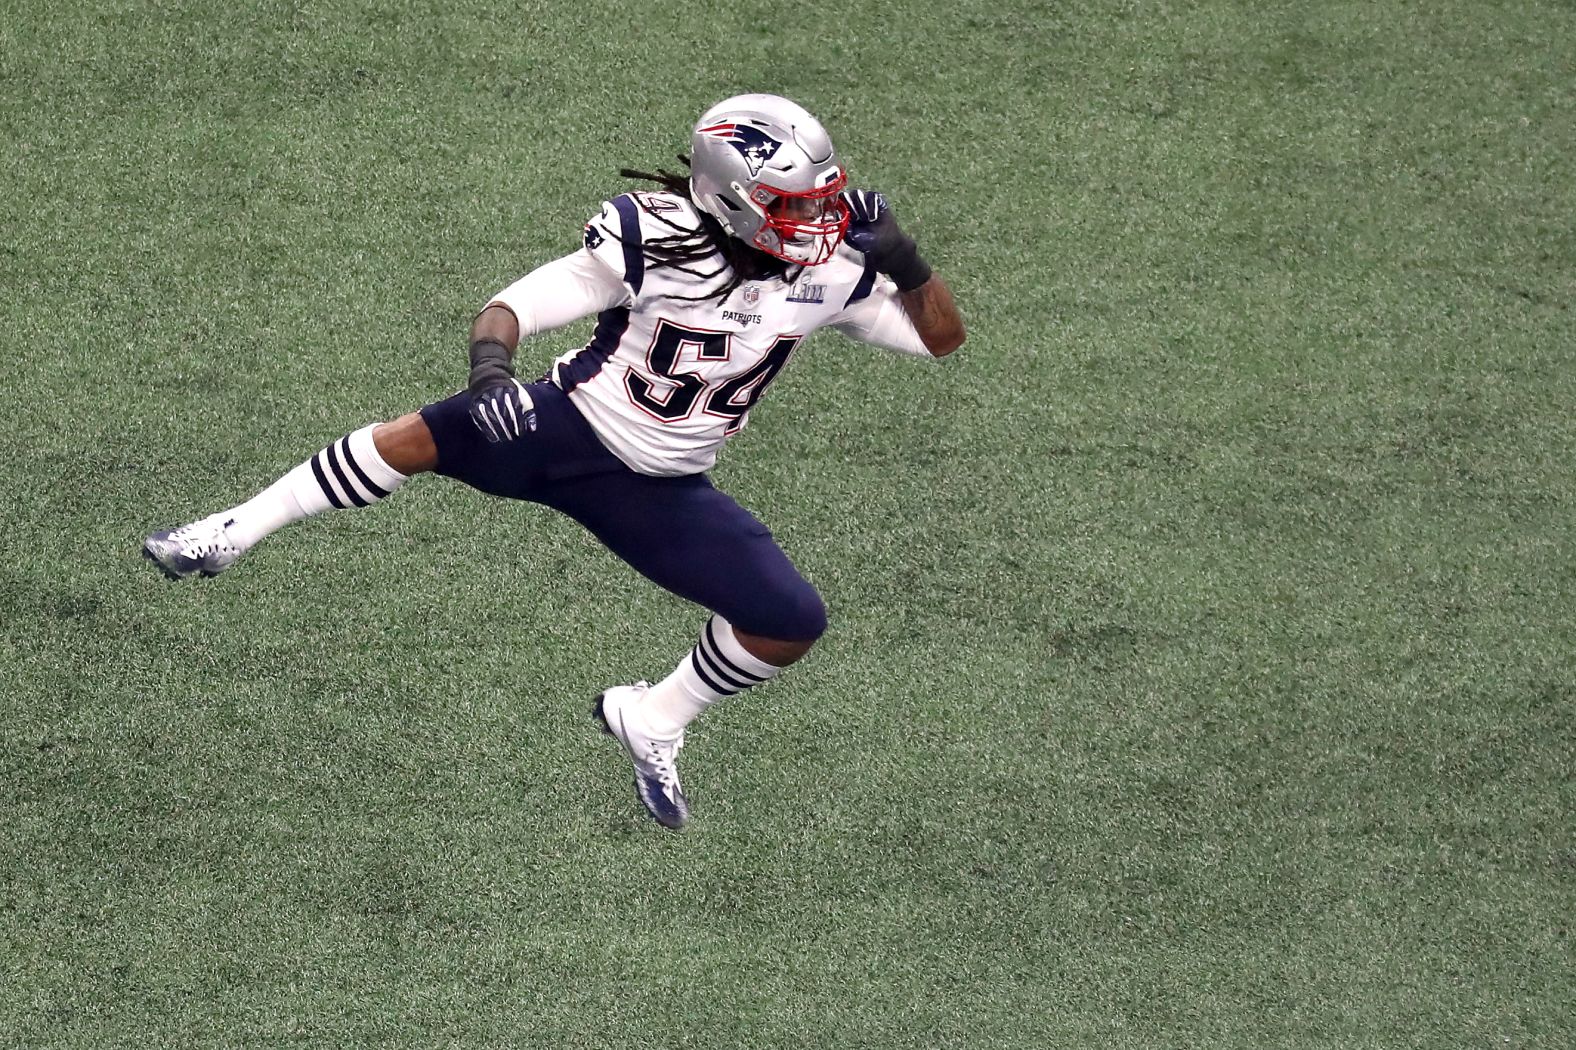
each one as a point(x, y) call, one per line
point(328, 490)
point(339, 472)
point(718, 670)
point(704, 677)
point(716, 650)
point(377, 491)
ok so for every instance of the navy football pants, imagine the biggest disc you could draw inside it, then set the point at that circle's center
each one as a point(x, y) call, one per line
point(681, 533)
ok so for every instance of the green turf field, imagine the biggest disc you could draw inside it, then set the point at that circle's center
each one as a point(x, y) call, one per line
point(1201, 665)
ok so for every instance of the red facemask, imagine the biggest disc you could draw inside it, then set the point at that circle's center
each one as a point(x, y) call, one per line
point(808, 225)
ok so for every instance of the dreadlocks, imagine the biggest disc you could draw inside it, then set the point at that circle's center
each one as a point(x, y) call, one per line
point(692, 251)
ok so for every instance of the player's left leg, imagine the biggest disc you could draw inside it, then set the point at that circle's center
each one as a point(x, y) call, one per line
point(358, 470)
point(698, 543)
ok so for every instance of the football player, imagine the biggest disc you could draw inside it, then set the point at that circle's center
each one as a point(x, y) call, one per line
point(703, 288)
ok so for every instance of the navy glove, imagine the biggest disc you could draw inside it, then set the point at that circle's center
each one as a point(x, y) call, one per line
point(501, 407)
point(873, 231)
point(504, 411)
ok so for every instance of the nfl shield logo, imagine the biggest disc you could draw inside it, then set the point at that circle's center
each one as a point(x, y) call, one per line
point(752, 295)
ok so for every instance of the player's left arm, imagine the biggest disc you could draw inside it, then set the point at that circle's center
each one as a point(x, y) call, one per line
point(925, 297)
point(934, 315)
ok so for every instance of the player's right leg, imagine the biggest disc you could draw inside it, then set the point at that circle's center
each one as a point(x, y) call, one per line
point(371, 463)
point(358, 470)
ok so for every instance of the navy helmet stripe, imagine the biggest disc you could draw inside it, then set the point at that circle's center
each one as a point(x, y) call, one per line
point(588, 361)
point(867, 281)
point(629, 235)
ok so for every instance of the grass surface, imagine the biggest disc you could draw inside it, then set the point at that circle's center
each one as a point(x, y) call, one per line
point(1201, 664)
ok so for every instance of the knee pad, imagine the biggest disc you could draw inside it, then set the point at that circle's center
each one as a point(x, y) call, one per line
point(798, 616)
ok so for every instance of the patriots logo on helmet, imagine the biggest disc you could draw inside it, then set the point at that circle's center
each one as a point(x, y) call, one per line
point(753, 144)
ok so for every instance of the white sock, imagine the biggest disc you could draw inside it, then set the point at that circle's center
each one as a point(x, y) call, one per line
point(718, 666)
point(348, 473)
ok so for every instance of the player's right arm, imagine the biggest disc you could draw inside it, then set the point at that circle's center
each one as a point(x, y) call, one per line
point(549, 297)
point(605, 273)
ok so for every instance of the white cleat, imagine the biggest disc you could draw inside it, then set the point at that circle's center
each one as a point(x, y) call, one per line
point(202, 547)
point(656, 760)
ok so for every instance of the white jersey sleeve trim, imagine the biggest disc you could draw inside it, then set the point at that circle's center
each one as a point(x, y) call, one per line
point(880, 320)
point(564, 290)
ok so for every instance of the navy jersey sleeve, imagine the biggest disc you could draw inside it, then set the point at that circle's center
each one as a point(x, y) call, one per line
point(614, 237)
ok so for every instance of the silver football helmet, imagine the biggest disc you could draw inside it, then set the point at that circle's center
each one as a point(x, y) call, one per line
point(765, 169)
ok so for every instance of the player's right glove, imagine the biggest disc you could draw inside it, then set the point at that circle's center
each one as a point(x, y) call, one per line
point(873, 231)
point(500, 404)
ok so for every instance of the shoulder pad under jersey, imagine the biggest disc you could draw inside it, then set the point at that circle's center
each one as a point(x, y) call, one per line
point(618, 234)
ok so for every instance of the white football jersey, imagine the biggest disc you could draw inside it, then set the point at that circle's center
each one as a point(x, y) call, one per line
point(669, 375)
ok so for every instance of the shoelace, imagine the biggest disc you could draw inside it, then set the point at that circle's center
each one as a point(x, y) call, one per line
point(198, 540)
point(663, 759)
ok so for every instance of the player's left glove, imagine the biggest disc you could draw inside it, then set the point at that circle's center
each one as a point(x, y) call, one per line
point(873, 231)
point(500, 404)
